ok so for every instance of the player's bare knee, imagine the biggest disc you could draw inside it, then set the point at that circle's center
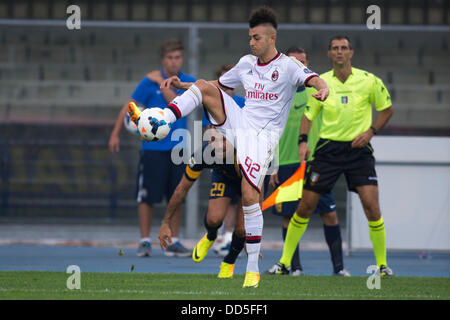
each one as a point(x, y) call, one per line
point(213, 221)
point(249, 196)
point(248, 200)
point(372, 211)
point(373, 216)
point(305, 209)
point(202, 85)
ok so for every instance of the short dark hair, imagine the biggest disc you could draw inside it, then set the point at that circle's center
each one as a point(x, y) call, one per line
point(263, 15)
point(222, 69)
point(171, 45)
point(340, 37)
point(295, 49)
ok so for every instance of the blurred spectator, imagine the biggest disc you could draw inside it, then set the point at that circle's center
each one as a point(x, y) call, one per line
point(158, 176)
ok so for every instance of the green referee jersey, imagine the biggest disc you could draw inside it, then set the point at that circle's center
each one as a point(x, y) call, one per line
point(288, 145)
point(347, 112)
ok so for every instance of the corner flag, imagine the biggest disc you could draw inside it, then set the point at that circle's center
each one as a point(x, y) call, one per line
point(290, 190)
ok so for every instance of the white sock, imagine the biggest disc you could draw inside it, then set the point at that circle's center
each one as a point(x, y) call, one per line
point(182, 105)
point(253, 221)
point(146, 239)
point(174, 239)
point(228, 236)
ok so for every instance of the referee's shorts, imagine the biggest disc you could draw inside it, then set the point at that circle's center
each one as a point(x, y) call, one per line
point(332, 158)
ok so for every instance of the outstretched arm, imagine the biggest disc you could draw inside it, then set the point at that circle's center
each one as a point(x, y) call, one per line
point(156, 77)
point(165, 234)
point(321, 86)
point(114, 142)
point(175, 83)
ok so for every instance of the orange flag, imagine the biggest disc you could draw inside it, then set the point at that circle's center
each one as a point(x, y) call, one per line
point(290, 190)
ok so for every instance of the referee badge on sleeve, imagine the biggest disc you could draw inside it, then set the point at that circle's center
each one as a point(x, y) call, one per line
point(344, 99)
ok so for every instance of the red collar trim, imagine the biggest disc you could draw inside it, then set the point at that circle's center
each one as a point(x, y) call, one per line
point(265, 64)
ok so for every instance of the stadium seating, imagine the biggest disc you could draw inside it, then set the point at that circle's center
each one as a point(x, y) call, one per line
point(49, 74)
point(94, 67)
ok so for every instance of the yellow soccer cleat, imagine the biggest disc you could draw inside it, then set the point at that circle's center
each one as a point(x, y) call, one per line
point(133, 111)
point(251, 279)
point(226, 270)
point(201, 249)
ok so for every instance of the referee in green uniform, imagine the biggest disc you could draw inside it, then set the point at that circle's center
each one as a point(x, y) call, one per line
point(344, 145)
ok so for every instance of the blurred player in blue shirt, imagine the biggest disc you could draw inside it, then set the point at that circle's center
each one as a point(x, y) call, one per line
point(158, 176)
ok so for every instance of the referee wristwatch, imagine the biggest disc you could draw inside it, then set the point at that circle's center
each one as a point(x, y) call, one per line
point(374, 130)
point(303, 138)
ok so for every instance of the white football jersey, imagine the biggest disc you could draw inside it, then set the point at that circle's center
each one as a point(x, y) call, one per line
point(269, 88)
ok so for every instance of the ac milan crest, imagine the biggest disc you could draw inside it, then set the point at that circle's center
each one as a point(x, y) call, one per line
point(275, 75)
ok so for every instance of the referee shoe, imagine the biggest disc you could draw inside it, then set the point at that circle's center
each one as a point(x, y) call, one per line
point(385, 271)
point(278, 268)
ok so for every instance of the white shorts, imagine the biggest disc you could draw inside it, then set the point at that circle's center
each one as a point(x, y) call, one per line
point(254, 146)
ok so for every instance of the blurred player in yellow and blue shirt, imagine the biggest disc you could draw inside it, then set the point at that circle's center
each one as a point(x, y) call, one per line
point(225, 193)
point(344, 147)
point(288, 164)
point(223, 242)
point(158, 176)
point(225, 186)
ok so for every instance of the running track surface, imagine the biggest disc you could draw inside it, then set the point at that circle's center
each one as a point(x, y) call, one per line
point(107, 259)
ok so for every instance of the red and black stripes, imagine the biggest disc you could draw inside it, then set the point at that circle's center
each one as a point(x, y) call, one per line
point(253, 239)
point(174, 108)
point(309, 78)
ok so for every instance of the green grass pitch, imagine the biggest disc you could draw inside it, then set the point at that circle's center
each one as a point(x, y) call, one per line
point(170, 286)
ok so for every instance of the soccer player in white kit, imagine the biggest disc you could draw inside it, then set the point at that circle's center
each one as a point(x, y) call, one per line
point(270, 80)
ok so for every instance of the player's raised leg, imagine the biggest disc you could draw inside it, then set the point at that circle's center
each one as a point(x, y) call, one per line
point(369, 200)
point(199, 93)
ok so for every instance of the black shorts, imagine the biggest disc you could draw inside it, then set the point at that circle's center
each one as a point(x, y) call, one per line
point(223, 186)
point(332, 158)
point(157, 177)
point(326, 203)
